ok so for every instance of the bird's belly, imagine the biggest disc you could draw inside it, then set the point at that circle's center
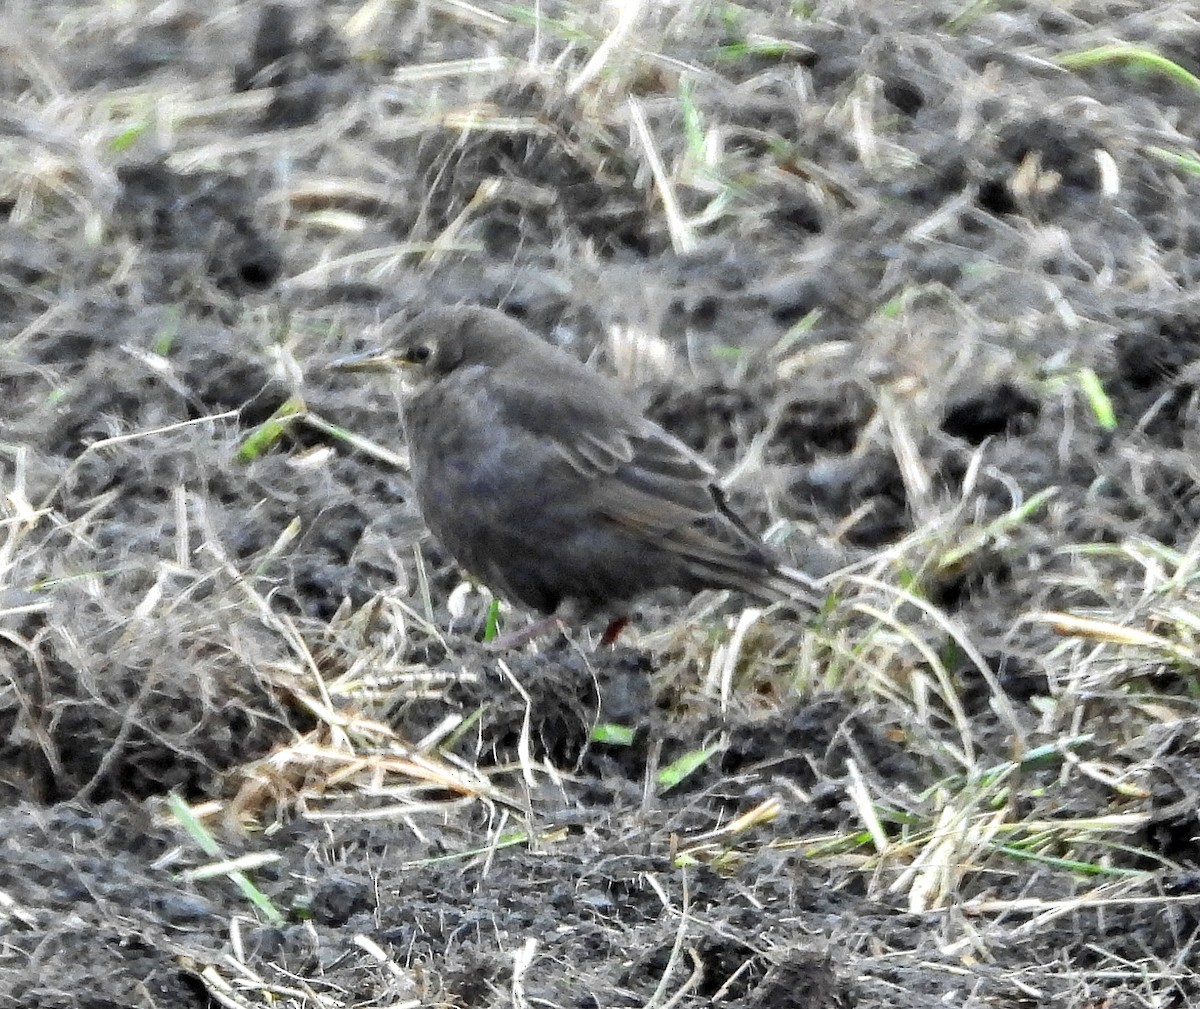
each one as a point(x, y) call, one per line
point(519, 523)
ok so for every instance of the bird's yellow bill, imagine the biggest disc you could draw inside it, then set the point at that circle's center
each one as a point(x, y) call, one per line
point(370, 360)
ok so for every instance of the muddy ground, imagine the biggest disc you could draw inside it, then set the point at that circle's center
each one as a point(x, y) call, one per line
point(921, 278)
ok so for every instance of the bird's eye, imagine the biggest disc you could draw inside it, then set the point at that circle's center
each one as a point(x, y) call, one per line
point(418, 354)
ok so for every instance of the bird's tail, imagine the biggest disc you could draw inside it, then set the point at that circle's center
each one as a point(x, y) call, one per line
point(780, 584)
point(747, 566)
point(793, 585)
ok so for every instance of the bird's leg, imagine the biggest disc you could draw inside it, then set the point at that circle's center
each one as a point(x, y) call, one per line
point(567, 615)
point(613, 631)
point(524, 635)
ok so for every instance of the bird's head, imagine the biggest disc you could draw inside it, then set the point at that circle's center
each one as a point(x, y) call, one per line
point(439, 341)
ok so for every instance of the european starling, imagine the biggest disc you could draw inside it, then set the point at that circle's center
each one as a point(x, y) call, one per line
point(548, 486)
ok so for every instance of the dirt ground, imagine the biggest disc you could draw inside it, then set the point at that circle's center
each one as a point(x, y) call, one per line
point(921, 278)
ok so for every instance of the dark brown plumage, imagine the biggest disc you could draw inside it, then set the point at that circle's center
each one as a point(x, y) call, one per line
point(550, 487)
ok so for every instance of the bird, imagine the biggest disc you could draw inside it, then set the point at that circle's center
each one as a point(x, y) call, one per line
point(545, 482)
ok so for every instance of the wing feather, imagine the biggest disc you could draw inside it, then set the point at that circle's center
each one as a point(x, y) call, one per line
point(640, 476)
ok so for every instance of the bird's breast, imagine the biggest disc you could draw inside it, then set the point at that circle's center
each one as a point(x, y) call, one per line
point(467, 457)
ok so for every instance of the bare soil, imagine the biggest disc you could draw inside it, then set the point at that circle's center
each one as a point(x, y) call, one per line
point(920, 277)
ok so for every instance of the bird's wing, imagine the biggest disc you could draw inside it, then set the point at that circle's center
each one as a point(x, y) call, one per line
point(640, 476)
point(663, 498)
point(602, 437)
